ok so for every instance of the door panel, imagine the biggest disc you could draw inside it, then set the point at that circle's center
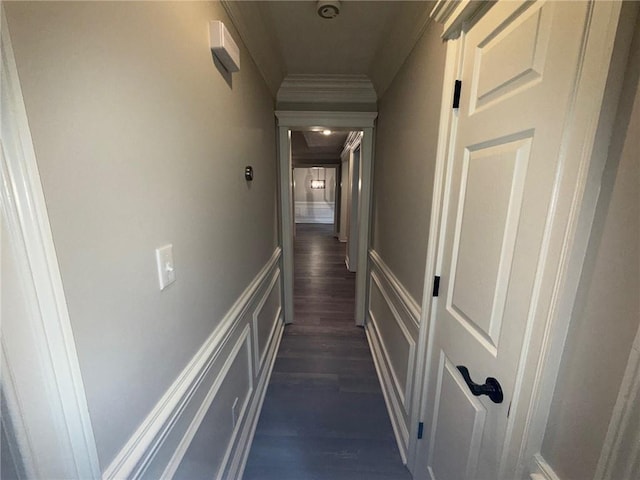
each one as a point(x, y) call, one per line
point(460, 419)
point(518, 69)
point(491, 189)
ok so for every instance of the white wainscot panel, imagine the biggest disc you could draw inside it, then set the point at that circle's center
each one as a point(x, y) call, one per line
point(218, 421)
point(265, 318)
point(203, 425)
point(315, 212)
point(397, 344)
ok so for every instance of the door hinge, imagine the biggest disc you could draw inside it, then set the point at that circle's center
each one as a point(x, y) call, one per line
point(420, 430)
point(457, 90)
point(436, 286)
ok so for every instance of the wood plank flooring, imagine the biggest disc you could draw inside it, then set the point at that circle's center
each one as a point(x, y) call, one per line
point(324, 416)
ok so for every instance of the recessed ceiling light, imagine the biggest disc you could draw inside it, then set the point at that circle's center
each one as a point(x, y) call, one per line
point(327, 132)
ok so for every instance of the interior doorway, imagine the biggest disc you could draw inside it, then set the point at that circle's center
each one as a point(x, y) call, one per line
point(289, 123)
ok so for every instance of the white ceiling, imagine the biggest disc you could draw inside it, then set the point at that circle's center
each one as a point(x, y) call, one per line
point(371, 38)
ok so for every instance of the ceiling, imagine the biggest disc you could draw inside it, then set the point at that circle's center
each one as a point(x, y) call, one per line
point(343, 45)
point(371, 38)
point(316, 148)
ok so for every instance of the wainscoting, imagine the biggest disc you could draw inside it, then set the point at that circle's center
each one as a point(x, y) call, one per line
point(315, 212)
point(203, 426)
point(392, 330)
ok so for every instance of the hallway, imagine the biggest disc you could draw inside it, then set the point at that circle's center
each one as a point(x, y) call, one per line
point(324, 415)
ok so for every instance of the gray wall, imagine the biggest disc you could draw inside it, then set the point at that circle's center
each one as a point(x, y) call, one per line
point(405, 149)
point(607, 310)
point(140, 142)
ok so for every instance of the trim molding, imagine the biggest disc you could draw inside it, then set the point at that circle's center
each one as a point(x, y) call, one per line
point(352, 89)
point(137, 454)
point(406, 300)
point(542, 470)
point(458, 15)
point(406, 314)
point(181, 450)
point(355, 120)
point(56, 430)
point(400, 429)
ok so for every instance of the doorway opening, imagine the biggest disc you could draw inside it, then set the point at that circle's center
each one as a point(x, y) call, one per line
point(357, 130)
point(325, 181)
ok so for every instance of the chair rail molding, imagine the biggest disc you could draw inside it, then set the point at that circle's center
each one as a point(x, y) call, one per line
point(158, 446)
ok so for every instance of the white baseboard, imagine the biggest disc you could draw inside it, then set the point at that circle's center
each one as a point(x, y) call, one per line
point(158, 446)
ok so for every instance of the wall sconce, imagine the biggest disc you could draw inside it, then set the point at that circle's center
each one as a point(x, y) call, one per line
point(319, 184)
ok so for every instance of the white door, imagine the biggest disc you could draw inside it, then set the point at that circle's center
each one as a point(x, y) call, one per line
point(518, 68)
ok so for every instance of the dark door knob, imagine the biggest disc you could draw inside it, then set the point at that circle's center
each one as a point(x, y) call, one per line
point(491, 386)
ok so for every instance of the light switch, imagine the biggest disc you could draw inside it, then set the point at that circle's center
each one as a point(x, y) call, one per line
point(166, 271)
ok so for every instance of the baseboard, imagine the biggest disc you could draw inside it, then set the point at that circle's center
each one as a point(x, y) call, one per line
point(163, 439)
point(542, 470)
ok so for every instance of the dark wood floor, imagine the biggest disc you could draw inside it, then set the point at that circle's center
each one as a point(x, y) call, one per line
point(324, 416)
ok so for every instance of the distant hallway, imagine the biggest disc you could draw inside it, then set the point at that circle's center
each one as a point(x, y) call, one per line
point(324, 416)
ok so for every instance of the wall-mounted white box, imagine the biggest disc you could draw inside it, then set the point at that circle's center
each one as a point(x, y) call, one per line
point(223, 46)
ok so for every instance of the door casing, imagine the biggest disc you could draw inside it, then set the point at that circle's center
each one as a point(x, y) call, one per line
point(294, 120)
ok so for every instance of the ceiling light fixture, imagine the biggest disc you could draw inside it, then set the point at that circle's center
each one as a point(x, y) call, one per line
point(326, 132)
point(328, 9)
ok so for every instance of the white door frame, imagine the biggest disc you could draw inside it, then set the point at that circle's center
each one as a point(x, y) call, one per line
point(575, 195)
point(292, 120)
point(53, 432)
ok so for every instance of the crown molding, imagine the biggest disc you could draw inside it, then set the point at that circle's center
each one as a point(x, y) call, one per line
point(310, 119)
point(251, 20)
point(334, 89)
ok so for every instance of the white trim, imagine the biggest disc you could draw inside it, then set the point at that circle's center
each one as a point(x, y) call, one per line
point(140, 450)
point(571, 212)
point(258, 357)
point(383, 371)
point(354, 120)
point(403, 392)
point(542, 470)
point(288, 120)
point(318, 89)
point(622, 430)
point(72, 452)
point(446, 136)
point(203, 408)
point(458, 15)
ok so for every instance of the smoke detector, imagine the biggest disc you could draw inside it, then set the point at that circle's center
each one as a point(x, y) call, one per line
point(328, 8)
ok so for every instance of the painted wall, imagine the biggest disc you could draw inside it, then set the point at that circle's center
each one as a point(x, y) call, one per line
point(607, 311)
point(405, 150)
point(140, 142)
point(314, 205)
